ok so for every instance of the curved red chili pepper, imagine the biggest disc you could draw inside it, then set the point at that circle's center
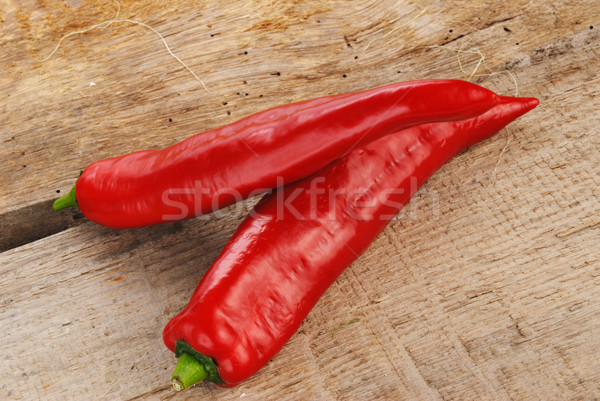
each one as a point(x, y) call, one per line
point(279, 262)
point(216, 168)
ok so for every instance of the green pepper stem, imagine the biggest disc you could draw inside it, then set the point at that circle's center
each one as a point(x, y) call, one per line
point(65, 201)
point(187, 372)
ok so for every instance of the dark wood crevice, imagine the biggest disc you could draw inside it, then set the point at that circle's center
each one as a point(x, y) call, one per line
point(33, 222)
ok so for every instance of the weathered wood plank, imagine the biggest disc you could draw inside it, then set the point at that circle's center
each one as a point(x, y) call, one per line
point(55, 123)
point(484, 288)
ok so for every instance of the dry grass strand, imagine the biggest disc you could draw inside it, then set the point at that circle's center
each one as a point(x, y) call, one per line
point(106, 24)
point(473, 73)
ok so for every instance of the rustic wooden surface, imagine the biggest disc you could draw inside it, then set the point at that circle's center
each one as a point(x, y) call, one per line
point(487, 287)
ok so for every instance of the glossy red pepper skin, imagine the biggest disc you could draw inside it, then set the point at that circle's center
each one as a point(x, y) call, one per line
point(216, 168)
point(280, 261)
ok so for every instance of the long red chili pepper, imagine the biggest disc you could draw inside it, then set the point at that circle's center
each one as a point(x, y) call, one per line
point(281, 260)
point(219, 167)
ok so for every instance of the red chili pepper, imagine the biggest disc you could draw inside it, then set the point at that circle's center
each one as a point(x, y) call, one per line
point(216, 168)
point(281, 260)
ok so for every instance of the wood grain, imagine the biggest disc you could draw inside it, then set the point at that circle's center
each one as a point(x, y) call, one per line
point(485, 287)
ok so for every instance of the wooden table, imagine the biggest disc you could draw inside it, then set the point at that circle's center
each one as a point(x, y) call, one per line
point(487, 287)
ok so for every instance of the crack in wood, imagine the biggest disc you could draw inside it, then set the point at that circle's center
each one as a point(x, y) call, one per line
point(577, 230)
point(35, 222)
point(154, 392)
point(486, 26)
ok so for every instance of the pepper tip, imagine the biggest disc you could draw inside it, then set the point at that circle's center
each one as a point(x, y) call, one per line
point(534, 102)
